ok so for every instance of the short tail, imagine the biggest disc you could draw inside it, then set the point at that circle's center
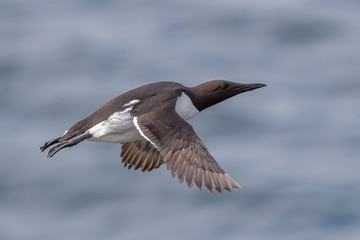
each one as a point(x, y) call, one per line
point(63, 144)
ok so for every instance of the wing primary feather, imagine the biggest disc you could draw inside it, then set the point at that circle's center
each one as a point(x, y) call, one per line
point(233, 183)
point(190, 175)
point(209, 182)
point(139, 159)
point(225, 182)
point(125, 151)
point(157, 162)
point(148, 162)
point(171, 161)
point(218, 185)
point(182, 171)
point(199, 178)
point(177, 163)
point(131, 156)
point(124, 148)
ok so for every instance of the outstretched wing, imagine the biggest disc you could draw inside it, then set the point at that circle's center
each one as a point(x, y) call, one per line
point(181, 149)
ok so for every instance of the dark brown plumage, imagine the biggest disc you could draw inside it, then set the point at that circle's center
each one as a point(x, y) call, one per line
point(150, 123)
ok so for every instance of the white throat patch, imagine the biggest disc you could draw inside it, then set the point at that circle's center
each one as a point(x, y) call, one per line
point(185, 108)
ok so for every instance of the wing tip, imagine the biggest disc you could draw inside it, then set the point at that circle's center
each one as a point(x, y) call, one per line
point(214, 185)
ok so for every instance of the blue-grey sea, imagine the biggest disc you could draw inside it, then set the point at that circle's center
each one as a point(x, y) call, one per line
point(294, 144)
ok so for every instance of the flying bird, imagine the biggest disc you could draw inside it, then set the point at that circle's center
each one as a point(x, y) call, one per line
point(150, 123)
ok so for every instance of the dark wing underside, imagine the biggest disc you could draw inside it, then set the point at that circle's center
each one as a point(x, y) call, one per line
point(179, 147)
point(140, 154)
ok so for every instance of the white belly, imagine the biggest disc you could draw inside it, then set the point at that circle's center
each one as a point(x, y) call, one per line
point(118, 128)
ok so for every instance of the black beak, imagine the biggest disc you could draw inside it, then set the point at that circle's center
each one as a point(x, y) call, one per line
point(247, 87)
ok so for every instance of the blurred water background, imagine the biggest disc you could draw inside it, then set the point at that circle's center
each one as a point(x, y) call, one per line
point(294, 144)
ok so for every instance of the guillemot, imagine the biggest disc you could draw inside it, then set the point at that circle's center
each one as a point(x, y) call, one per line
point(150, 123)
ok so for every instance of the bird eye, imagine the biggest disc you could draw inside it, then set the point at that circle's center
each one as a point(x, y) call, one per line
point(225, 86)
point(220, 87)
